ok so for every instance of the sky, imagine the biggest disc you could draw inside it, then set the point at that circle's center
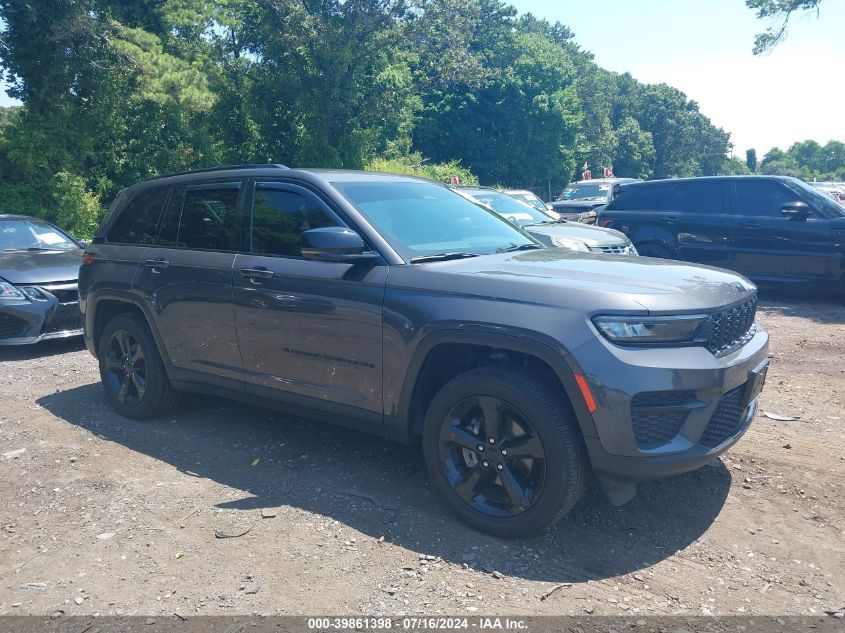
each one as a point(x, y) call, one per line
point(703, 47)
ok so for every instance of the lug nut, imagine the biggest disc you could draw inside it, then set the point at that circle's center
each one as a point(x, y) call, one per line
point(492, 440)
point(499, 467)
point(485, 464)
point(481, 448)
point(504, 452)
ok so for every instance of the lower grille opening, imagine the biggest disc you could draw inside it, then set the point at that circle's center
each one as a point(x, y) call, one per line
point(11, 326)
point(726, 419)
point(65, 319)
point(657, 416)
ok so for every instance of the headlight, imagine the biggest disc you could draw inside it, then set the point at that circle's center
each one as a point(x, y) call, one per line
point(8, 291)
point(633, 330)
point(573, 245)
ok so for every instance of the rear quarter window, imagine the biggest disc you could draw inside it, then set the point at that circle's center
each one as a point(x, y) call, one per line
point(138, 221)
point(640, 198)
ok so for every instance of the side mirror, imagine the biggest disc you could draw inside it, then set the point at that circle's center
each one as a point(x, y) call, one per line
point(335, 244)
point(795, 210)
point(83, 244)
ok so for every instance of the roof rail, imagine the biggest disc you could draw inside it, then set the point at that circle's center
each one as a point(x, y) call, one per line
point(223, 168)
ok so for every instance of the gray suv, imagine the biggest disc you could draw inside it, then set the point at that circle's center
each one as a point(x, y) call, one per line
point(395, 306)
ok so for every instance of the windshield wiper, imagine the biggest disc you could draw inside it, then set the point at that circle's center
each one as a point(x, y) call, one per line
point(519, 247)
point(441, 257)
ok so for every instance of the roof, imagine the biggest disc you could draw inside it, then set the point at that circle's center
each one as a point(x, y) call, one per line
point(698, 178)
point(603, 181)
point(272, 171)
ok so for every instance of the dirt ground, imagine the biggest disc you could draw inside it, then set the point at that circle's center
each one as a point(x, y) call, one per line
point(100, 514)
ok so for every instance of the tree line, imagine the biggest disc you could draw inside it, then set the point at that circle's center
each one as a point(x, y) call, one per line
point(116, 92)
point(807, 160)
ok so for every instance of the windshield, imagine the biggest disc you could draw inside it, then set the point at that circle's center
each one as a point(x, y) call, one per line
point(824, 204)
point(589, 191)
point(530, 198)
point(31, 234)
point(420, 218)
point(509, 208)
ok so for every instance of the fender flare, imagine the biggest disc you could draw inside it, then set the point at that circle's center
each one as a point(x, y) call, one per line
point(550, 353)
point(129, 298)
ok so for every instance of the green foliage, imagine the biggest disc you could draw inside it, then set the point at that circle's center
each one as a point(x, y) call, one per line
point(74, 208)
point(416, 165)
point(780, 11)
point(807, 160)
point(115, 92)
point(751, 160)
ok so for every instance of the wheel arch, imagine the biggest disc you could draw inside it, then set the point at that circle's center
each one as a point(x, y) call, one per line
point(443, 354)
point(109, 305)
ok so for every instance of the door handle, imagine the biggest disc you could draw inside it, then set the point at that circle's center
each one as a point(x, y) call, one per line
point(670, 219)
point(256, 273)
point(156, 264)
point(749, 224)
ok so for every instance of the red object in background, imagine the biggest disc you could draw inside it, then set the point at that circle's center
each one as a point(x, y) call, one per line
point(587, 175)
point(455, 180)
point(608, 172)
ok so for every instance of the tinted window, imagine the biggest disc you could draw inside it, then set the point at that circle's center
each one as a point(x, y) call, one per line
point(138, 221)
point(209, 218)
point(640, 198)
point(762, 197)
point(697, 197)
point(280, 217)
point(169, 230)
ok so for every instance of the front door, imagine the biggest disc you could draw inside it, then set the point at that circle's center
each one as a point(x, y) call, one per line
point(310, 332)
point(768, 244)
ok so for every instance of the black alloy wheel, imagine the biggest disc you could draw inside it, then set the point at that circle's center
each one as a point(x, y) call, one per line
point(125, 368)
point(504, 450)
point(132, 370)
point(492, 457)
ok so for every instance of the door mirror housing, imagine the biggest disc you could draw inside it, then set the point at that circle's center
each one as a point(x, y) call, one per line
point(335, 244)
point(796, 210)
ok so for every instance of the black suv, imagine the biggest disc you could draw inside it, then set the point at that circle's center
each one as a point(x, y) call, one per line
point(396, 306)
point(772, 229)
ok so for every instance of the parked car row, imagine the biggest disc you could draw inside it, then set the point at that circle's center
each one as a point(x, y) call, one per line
point(771, 229)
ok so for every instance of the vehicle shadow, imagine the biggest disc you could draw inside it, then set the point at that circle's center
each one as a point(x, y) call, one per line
point(53, 347)
point(813, 306)
point(381, 488)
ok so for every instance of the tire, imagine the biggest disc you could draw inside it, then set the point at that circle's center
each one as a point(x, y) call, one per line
point(132, 371)
point(525, 408)
point(650, 249)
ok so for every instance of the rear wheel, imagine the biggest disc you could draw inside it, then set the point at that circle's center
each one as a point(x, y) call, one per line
point(132, 371)
point(503, 451)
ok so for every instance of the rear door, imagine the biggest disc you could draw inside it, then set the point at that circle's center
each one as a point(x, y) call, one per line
point(186, 277)
point(696, 213)
point(310, 331)
point(768, 244)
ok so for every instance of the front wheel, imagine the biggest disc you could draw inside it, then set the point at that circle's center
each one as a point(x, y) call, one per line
point(503, 451)
point(132, 371)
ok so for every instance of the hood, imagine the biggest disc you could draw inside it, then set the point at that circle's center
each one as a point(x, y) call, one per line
point(596, 282)
point(571, 206)
point(586, 233)
point(28, 267)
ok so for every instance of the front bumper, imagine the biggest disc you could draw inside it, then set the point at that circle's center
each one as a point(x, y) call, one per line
point(55, 315)
point(667, 411)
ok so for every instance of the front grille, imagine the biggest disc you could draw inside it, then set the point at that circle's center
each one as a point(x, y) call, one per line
point(657, 416)
point(726, 419)
point(732, 327)
point(613, 249)
point(65, 292)
point(11, 326)
point(66, 318)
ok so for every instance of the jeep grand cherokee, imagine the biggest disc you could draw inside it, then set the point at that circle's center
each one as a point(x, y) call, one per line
point(396, 306)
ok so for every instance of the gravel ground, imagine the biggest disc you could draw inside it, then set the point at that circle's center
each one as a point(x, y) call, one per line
point(224, 508)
